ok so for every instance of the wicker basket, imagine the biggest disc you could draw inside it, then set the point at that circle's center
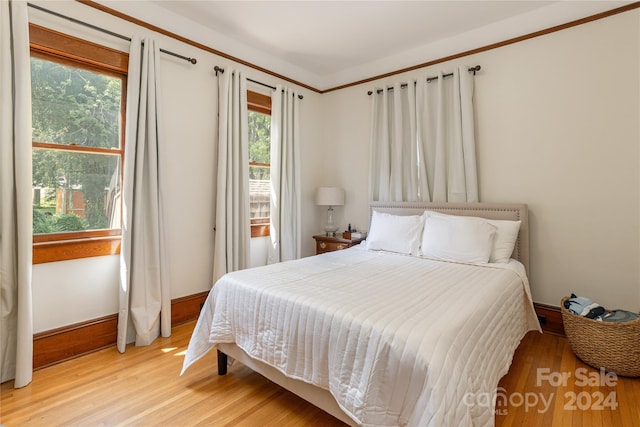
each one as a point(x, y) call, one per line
point(614, 346)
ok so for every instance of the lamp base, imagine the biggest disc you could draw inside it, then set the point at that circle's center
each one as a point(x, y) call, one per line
point(330, 230)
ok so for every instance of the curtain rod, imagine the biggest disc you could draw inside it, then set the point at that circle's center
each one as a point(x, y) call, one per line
point(429, 79)
point(221, 70)
point(111, 33)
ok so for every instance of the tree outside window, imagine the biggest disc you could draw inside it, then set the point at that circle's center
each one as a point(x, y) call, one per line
point(77, 153)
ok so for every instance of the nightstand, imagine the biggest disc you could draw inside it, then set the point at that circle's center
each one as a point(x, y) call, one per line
point(330, 244)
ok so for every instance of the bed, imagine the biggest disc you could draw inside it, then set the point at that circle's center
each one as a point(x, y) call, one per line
point(381, 337)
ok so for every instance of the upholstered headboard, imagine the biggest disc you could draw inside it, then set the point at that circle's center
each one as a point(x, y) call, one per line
point(508, 211)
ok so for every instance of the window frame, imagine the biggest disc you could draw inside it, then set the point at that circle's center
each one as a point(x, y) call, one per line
point(259, 103)
point(58, 47)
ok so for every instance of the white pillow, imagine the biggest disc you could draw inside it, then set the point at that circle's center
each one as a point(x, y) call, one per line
point(505, 240)
point(395, 233)
point(457, 238)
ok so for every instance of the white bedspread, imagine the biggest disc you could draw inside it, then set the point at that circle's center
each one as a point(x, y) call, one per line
point(397, 340)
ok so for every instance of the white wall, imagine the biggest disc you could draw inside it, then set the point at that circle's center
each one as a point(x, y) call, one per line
point(557, 128)
point(68, 292)
point(74, 291)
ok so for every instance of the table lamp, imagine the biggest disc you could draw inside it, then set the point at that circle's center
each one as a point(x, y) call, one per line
point(330, 196)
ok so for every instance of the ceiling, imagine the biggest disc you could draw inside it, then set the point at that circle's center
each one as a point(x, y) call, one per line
point(325, 44)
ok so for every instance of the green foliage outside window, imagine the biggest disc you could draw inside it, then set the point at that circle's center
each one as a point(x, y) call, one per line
point(70, 222)
point(74, 107)
point(42, 221)
point(45, 222)
point(259, 144)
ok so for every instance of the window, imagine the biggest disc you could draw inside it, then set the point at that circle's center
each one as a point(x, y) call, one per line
point(78, 98)
point(259, 157)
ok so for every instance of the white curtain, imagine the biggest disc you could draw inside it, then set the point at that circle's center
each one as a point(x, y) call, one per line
point(232, 236)
point(423, 141)
point(16, 330)
point(145, 304)
point(393, 175)
point(285, 224)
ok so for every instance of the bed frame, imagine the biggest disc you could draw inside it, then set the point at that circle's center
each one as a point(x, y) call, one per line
point(322, 398)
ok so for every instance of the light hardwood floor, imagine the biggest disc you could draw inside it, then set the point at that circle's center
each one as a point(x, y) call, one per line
point(142, 388)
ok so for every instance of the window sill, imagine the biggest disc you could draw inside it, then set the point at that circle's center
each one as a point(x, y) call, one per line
point(260, 227)
point(260, 230)
point(65, 250)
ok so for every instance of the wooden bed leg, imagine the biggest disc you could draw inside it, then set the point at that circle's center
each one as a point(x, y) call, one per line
point(222, 363)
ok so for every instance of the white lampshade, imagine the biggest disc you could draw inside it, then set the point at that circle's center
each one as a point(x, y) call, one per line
point(330, 196)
